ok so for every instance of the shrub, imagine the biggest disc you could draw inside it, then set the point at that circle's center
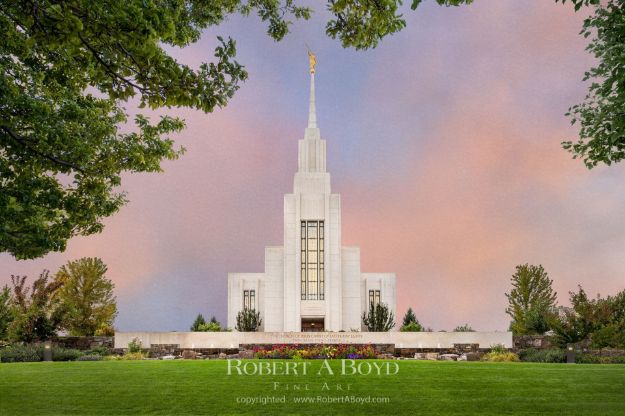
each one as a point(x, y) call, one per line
point(90, 358)
point(21, 353)
point(495, 356)
point(101, 351)
point(209, 327)
point(130, 356)
point(134, 345)
point(65, 354)
point(412, 327)
point(543, 356)
point(596, 359)
point(498, 348)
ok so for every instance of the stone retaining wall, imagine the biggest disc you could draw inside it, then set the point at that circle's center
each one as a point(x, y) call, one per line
point(232, 340)
point(83, 343)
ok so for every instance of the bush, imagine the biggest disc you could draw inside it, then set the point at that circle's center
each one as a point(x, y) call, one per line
point(90, 358)
point(412, 327)
point(130, 356)
point(65, 354)
point(134, 345)
point(209, 327)
point(21, 353)
point(495, 356)
point(102, 351)
point(543, 356)
point(596, 359)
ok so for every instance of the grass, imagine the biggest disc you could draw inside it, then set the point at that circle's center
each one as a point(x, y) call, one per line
point(204, 388)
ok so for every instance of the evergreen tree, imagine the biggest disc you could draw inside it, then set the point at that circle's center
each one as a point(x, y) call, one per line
point(409, 317)
point(379, 318)
point(199, 321)
point(248, 320)
point(532, 301)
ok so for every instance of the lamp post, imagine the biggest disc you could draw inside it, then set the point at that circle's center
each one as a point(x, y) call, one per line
point(570, 355)
point(47, 351)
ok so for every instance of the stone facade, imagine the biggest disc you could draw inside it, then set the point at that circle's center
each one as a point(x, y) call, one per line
point(83, 343)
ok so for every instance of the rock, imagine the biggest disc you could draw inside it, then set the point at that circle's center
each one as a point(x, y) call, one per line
point(222, 355)
point(246, 354)
point(419, 356)
point(385, 356)
point(189, 355)
point(448, 357)
point(473, 356)
point(431, 356)
point(463, 357)
point(168, 357)
point(232, 356)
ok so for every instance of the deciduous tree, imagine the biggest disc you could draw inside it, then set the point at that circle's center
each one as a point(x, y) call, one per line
point(6, 314)
point(86, 295)
point(531, 300)
point(36, 311)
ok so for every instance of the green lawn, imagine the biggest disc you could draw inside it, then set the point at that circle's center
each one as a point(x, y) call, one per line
point(203, 387)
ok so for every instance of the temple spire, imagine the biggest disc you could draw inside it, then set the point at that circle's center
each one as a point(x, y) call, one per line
point(312, 111)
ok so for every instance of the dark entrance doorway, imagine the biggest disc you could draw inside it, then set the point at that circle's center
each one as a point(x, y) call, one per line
point(312, 325)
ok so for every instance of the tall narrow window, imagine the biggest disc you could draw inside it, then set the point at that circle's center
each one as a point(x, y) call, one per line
point(374, 297)
point(312, 260)
point(249, 299)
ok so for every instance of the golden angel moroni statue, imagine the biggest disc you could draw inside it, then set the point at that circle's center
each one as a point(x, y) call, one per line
point(313, 61)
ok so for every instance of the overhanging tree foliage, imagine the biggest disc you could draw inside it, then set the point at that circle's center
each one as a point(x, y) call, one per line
point(69, 66)
point(601, 117)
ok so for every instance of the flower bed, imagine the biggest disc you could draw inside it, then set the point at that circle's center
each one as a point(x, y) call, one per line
point(318, 351)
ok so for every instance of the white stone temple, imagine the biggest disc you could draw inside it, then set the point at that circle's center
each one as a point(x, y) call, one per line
point(311, 282)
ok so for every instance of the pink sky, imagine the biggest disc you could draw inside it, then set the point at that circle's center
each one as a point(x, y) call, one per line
point(444, 144)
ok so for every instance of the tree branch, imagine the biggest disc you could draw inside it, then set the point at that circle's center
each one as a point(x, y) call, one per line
point(25, 143)
point(106, 66)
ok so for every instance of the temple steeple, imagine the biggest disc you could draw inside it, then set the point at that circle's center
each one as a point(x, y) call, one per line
point(312, 110)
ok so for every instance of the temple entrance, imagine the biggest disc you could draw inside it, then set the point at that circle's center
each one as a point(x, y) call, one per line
point(312, 325)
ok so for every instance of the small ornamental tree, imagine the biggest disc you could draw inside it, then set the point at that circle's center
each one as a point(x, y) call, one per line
point(199, 320)
point(379, 318)
point(37, 311)
point(248, 320)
